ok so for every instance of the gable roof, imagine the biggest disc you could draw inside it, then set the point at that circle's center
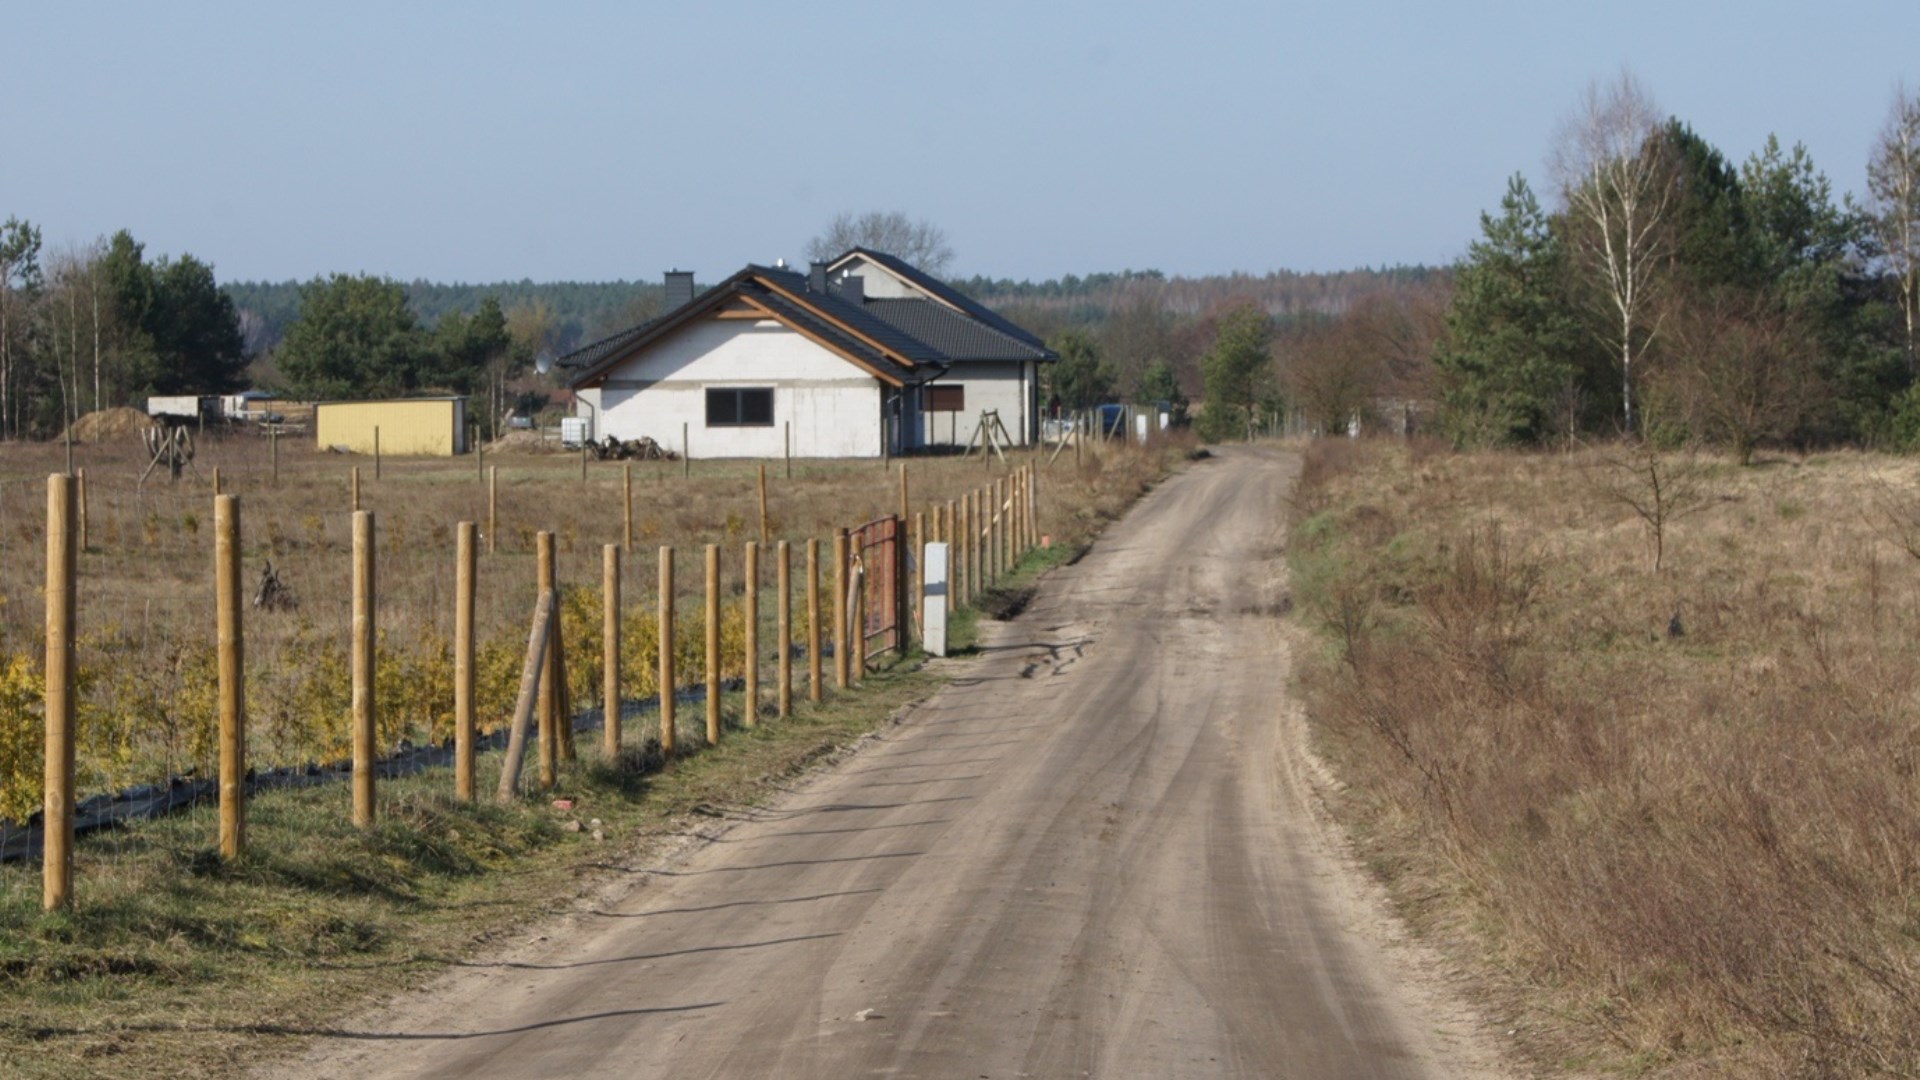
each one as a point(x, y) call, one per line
point(947, 295)
point(844, 328)
point(902, 342)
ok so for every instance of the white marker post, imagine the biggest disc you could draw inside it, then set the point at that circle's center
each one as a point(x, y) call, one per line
point(934, 633)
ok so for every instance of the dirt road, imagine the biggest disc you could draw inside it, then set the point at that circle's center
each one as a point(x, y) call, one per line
point(1090, 856)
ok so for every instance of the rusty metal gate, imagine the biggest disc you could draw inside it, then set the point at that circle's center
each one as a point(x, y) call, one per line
point(881, 548)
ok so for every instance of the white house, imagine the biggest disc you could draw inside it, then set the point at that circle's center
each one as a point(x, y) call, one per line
point(770, 355)
point(992, 363)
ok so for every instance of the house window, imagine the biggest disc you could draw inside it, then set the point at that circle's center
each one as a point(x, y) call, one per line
point(946, 399)
point(740, 407)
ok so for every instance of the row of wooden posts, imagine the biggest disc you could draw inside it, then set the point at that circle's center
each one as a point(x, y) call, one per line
point(988, 530)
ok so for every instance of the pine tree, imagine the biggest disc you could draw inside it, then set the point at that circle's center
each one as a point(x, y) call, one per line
point(1509, 356)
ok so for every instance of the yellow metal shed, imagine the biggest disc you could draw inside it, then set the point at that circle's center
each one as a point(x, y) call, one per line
point(421, 426)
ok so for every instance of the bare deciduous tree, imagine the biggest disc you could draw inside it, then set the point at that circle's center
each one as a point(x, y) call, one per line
point(1617, 186)
point(891, 232)
point(1741, 371)
point(1893, 201)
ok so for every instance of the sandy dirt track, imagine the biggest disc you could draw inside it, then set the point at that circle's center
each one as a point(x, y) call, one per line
point(1092, 855)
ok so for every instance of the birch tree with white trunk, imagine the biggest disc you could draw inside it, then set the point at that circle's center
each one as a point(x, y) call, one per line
point(1893, 204)
point(1618, 189)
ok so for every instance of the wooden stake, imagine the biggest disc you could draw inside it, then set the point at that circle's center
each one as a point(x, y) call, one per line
point(610, 650)
point(216, 481)
point(841, 645)
point(376, 452)
point(56, 822)
point(783, 573)
point(764, 537)
point(750, 613)
point(233, 691)
point(626, 481)
point(905, 511)
point(962, 577)
point(919, 572)
point(666, 651)
point(545, 614)
point(786, 435)
point(583, 462)
point(80, 477)
point(465, 570)
point(493, 507)
point(355, 487)
point(814, 663)
point(686, 453)
point(363, 669)
point(550, 675)
point(713, 644)
point(273, 449)
point(857, 623)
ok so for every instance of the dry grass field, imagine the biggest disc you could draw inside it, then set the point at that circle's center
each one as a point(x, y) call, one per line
point(146, 598)
point(1674, 814)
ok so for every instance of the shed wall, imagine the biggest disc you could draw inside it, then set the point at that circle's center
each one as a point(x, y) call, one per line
point(425, 427)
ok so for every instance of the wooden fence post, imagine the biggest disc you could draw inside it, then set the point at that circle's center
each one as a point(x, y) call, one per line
point(610, 650)
point(906, 511)
point(376, 451)
point(814, 636)
point(750, 613)
point(626, 481)
point(783, 560)
point(56, 822)
point(962, 573)
point(356, 489)
point(465, 568)
point(919, 572)
point(764, 536)
point(857, 620)
point(686, 453)
point(713, 644)
point(550, 673)
point(233, 687)
point(539, 639)
point(363, 669)
point(273, 449)
point(493, 507)
point(841, 646)
point(786, 436)
point(665, 635)
point(80, 479)
point(217, 489)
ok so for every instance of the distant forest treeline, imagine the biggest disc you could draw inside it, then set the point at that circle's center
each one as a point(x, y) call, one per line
point(585, 311)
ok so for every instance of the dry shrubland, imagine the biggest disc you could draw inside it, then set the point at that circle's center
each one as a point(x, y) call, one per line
point(146, 597)
point(1676, 813)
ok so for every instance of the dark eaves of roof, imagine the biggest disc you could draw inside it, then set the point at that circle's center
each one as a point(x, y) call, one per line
point(952, 297)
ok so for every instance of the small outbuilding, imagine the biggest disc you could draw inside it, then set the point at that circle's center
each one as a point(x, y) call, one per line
point(425, 427)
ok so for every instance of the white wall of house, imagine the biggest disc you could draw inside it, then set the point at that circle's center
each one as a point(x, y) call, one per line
point(878, 281)
point(833, 406)
point(1005, 386)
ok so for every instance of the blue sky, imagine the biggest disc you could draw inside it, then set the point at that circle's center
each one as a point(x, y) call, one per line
point(594, 141)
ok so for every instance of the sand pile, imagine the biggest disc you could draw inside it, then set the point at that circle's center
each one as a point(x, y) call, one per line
point(110, 425)
point(524, 442)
